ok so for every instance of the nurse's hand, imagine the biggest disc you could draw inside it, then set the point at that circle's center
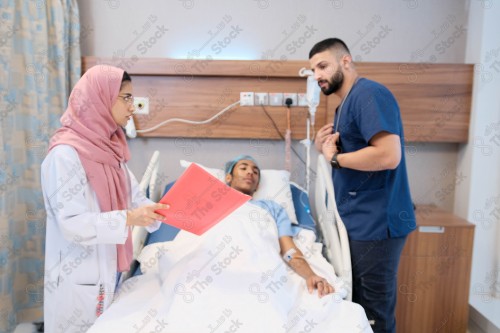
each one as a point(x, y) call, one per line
point(145, 215)
point(330, 146)
point(322, 135)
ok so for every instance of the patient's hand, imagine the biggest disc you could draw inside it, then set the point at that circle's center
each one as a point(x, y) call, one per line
point(317, 282)
point(145, 215)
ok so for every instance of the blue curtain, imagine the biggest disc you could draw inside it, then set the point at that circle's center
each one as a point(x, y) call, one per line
point(39, 64)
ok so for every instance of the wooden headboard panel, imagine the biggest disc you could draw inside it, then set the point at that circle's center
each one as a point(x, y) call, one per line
point(435, 99)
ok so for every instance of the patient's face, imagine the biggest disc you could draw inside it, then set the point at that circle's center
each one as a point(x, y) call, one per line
point(245, 177)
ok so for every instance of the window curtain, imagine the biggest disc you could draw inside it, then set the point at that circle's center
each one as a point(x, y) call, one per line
point(39, 64)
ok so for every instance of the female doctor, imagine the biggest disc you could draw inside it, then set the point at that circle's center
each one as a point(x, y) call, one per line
point(92, 202)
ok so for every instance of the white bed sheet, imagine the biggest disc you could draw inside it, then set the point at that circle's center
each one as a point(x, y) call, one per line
point(231, 279)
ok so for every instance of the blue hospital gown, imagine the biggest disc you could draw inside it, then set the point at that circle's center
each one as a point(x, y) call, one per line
point(285, 227)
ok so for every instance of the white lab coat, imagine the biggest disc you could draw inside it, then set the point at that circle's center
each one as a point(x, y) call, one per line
point(80, 247)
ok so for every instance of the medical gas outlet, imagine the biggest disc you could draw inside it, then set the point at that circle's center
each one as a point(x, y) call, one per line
point(141, 105)
point(272, 99)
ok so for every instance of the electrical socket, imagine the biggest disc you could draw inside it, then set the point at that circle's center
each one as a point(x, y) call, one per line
point(292, 96)
point(246, 98)
point(261, 98)
point(302, 99)
point(141, 105)
point(276, 99)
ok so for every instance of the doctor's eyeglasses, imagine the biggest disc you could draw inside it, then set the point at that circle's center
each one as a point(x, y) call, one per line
point(129, 99)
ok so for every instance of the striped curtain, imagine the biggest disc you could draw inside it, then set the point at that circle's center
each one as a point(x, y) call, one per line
point(39, 64)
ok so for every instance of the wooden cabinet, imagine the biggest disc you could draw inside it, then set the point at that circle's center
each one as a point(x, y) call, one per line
point(434, 274)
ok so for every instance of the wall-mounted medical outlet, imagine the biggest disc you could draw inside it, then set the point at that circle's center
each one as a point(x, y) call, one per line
point(276, 99)
point(141, 105)
point(246, 98)
point(302, 99)
point(292, 96)
point(261, 98)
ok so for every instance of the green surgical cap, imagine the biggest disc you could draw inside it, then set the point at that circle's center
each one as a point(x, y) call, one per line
point(230, 164)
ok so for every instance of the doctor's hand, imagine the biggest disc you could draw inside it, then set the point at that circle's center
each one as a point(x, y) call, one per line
point(322, 135)
point(329, 146)
point(317, 282)
point(145, 215)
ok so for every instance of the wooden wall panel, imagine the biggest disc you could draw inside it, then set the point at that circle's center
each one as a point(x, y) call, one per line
point(203, 97)
point(434, 99)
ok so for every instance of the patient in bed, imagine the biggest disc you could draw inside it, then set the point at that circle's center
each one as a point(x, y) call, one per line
point(245, 274)
point(243, 174)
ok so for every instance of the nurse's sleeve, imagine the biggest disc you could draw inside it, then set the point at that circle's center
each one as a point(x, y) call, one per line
point(73, 205)
point(139, 199)
point(379, 113)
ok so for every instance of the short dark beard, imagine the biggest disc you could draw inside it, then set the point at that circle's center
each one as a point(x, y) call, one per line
point(337, 81)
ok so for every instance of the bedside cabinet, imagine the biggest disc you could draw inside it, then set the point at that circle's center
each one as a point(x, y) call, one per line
point(434, 274)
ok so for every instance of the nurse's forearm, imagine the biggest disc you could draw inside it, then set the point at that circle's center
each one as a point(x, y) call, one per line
point(367, 159)
point(383, 153)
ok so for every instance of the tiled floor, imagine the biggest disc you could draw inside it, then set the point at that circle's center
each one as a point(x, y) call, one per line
point(29, 328)
point(473, 328)
point(25, 328)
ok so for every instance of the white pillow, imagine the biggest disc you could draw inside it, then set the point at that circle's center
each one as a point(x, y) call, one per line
point(274, 185)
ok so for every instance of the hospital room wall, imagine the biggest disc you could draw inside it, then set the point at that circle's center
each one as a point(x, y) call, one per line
point(478, 197)
point(376, 31)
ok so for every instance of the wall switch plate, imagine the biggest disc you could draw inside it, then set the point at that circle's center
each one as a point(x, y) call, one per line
point(276, 99)
point(302, 99)
point(246, 98)
point(141, 105)
point(261, 98)
point(292, 96)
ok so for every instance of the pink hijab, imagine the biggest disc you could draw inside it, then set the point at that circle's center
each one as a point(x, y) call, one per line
point(89, 127)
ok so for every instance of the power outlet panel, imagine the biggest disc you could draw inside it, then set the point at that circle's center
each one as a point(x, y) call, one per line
point(302, 99)
point(261, 98)
point(246, 98)
point(276, 99)
point(292, 96)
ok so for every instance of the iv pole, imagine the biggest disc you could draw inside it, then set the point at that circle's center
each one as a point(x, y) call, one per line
point(312, 96)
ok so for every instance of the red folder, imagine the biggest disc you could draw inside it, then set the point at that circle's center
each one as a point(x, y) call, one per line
point(198, 201)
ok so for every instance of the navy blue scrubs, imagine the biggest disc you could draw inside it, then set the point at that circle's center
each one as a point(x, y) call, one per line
point(375, 206)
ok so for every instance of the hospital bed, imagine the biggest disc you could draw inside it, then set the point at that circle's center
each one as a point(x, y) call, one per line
point(326, 223)
point(150, 291)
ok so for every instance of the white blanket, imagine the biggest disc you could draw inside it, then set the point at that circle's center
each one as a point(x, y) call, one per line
point(231, 279)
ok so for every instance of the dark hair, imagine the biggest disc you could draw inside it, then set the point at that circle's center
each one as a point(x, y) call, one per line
point(334, 44)
point(126, 77)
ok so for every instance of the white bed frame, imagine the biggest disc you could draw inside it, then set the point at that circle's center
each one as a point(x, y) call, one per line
point(148, 181)
point(331, 226)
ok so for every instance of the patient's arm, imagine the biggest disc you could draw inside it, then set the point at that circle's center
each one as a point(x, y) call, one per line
point(299, 264)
